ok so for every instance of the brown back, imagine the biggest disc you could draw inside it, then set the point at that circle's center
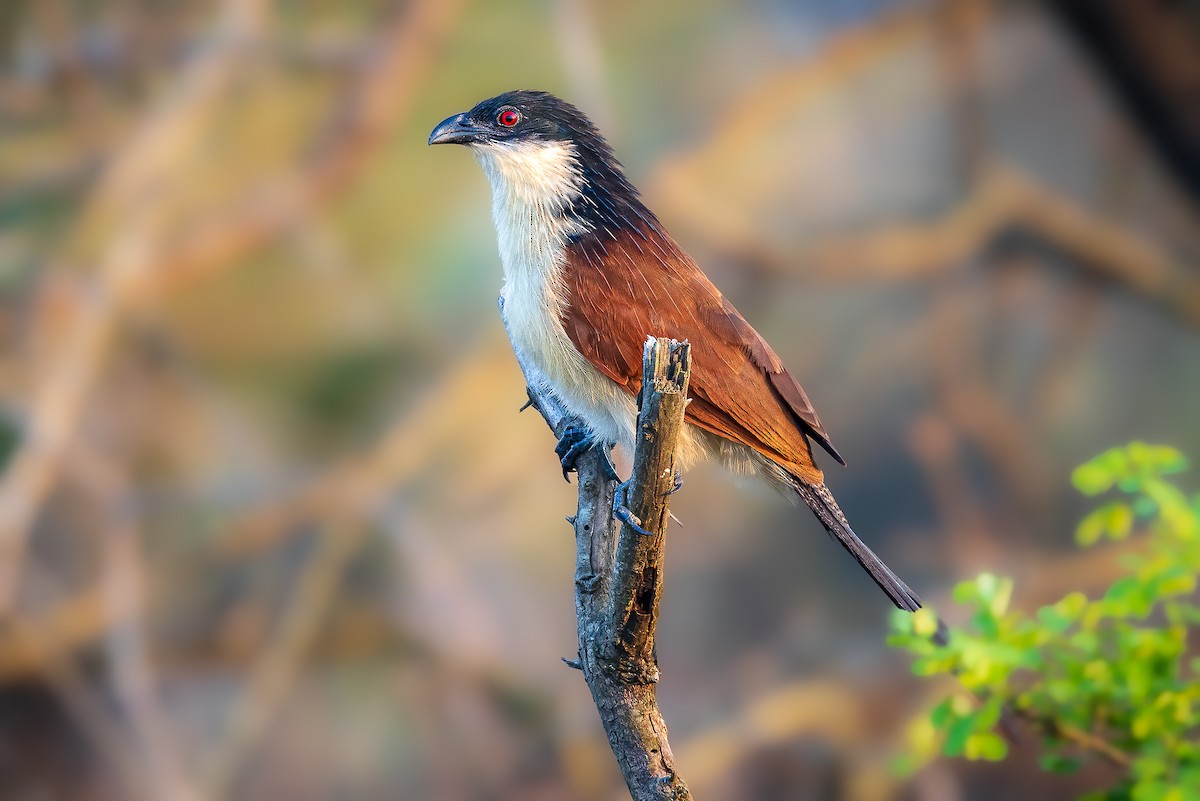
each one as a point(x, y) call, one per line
point(641, 284)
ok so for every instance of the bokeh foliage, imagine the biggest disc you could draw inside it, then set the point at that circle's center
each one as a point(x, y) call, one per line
point(1109, 678)
point(293, 540)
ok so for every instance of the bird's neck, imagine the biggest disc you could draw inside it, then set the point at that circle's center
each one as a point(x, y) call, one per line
point(551, 196)
point(533, 189)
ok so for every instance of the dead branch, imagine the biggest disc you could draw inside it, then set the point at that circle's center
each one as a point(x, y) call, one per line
point(618, 579)
point(637, 579)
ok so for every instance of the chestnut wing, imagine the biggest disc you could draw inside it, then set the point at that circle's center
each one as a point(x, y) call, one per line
point(622, 290)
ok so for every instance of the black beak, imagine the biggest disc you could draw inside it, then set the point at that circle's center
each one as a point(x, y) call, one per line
point(456, 130)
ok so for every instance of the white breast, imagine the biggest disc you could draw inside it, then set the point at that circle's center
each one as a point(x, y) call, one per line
point(531, 183)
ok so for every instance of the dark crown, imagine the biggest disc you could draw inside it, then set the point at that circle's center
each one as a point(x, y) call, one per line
point(609, 201)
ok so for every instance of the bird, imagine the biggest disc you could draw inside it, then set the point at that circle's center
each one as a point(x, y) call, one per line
point(590, 272)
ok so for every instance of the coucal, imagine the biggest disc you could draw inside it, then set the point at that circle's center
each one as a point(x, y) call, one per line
point(589, 272)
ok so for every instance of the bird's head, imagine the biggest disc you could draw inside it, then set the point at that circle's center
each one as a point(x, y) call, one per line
point(513, 119)
point(543, 150)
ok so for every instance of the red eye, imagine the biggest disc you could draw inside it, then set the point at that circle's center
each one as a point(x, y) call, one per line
point(508, 117)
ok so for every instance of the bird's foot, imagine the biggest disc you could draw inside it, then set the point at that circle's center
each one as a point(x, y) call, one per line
point(576, 441)
point(606, 463)
point(678, 484)
point(571, 445)
point(621, 509)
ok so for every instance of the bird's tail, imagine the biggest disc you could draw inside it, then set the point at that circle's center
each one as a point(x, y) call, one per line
point(820, 500)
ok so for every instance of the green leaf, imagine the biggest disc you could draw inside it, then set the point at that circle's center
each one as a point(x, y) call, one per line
point(901, 621)
point(987, 746)
point(1156, 459)
point(957, 735)
point(985, 621)
point(966, 592)
point(1144, 507)
point(924, 622)
point(1151, 766)
point(1072, 605)
point(1092, 478)
point(1053, 619)
point(1001, 597)
point(1114, 520)
point(986, 585)
point(1125, 591)
point(940, 715)
point(1177, 581)
point(1086, 641)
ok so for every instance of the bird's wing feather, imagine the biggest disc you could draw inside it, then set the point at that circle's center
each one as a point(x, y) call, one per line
point(639, 284)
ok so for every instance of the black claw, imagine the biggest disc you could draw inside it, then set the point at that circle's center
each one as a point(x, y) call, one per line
point(575, 442)
point(571, 445)
point(572, 455)
point(606, 464)
point(627, 517)
point(621, 510)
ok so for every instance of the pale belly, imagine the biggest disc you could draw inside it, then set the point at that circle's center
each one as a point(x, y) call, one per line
point(540, 342)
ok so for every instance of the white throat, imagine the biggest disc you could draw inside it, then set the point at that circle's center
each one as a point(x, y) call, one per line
point(533, 183)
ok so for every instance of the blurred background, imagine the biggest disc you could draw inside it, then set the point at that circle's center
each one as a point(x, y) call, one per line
point(270, 524)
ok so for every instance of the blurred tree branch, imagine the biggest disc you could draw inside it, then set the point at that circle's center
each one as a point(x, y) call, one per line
point(1007, 209)
point(58, 399)
point(74, 689)
point(1002, 205)
point(132, 675)
point(357, 486)
point(142, 259)
point(618, 578)
point(278, 667)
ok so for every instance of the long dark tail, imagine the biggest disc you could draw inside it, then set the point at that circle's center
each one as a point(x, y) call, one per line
point(820, 500)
